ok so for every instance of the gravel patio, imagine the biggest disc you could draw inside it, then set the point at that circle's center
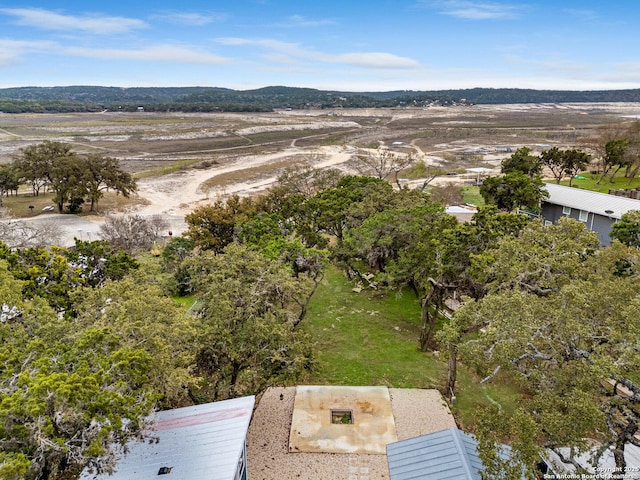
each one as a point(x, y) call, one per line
point(416, 412)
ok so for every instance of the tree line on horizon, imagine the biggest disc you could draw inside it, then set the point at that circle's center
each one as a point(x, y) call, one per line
point(212, 99)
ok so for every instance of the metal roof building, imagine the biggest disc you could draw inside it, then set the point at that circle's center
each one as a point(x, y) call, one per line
point(204, 442)
point(445, 455)
point(594, 202)
point(598, 211)
point(448, 454)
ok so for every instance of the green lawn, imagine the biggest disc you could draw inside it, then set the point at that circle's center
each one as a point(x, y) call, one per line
point(472, 195)
point(589, 181)
point(371, 338)
point(367, 338)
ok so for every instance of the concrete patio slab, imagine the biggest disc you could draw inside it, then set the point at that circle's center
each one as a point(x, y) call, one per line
point(342, 419)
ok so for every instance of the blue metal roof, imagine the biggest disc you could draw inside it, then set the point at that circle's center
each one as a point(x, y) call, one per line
point(201, 442)
point(448, 454)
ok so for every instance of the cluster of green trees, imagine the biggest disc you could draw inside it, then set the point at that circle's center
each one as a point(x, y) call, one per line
point(627, 229)
point(200, 99)
point(66, 392)
point(521, 182)
point(560, 319)
point(621, 151)
point(91, 342)
point(535, 314)
point(521, 185)
point(73, 178)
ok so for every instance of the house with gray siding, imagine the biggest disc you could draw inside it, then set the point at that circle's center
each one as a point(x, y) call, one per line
point(598, 211)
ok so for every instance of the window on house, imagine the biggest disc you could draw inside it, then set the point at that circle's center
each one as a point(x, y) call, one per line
point(566, 210)
point(584, 215)
point(547, 223)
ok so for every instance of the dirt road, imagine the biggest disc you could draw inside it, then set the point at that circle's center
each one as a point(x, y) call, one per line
point(179, 193)
point(175, 195)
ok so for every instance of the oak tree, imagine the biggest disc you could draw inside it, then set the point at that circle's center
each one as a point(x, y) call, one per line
point(212, 227)
point(627, 229)
point(512, 191)
point(247, 319)
point(522, 161)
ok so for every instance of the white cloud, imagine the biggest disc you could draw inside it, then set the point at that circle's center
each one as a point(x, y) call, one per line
point(285, 52)
point(303, 22)
point(49, 20)
point(235, 41)
point(375, 60)
point(157, 53)
point(280, 58)
point(471, 10)
point(193, 19)
point(12, 50)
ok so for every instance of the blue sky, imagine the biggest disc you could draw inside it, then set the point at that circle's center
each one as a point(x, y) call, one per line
point(350, 45)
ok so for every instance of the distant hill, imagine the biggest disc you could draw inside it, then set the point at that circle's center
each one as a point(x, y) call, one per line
point(207, 99)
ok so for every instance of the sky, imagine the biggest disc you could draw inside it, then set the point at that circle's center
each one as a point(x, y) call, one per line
point(347, 45)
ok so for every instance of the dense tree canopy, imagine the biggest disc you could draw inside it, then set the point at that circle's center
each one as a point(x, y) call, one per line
point(547, 310)
point(54, 273)
point(35, 162)
point(561, 320)
point(522, 161)
point(247, 321)
point(141, 315)
point(212, 227)
point(67, 394)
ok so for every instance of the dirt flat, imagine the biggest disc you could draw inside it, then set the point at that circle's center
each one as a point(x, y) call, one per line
point(237, 153)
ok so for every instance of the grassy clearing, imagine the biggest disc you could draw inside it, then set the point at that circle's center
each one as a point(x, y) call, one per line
point(187, 302)
point(589, 182)
point(18, 206)
point(472, 195)
point(371, 338)
point(367, 338)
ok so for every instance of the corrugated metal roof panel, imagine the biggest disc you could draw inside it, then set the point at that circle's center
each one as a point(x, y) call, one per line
point(448, 454)
point(595, 202)
point(203, 442)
